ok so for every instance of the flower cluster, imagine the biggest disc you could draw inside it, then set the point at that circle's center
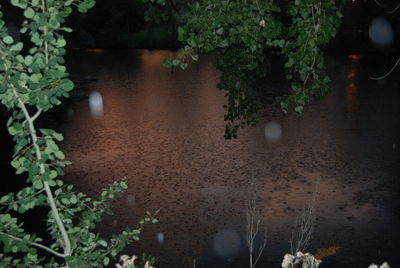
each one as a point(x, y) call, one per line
point(306, 260)
point(129, 262)
point(383, 265)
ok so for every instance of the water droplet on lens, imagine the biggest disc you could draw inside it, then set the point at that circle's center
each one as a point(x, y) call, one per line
point(96, 104)
point(226, 243)
point(160, 238)
point(273, 131)
point(381, 32)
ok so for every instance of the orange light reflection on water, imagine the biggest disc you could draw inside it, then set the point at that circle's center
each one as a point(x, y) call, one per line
point(351, 93)
point(153, 60)
point(354, 57)
point(95, 50)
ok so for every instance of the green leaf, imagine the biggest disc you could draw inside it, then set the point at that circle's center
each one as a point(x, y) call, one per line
point(175, 62)
point(59, 155)
point(106, 260)
point(65, 201)
point(61, 42)
point(8, 40)
point(38, 184)
point(35, 78)
point(167, 63)
point(4, 199)
point(17, 47)
point(195, 57)
point(102, 243)
point(299, 109)
point(67, 85)
point(58, 136)
point(73, 199)
point(53, 174)
point(29, 13)
point(124, 185)
point(28, 60)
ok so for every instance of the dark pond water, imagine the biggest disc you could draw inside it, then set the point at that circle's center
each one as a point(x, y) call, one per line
point(165, 133)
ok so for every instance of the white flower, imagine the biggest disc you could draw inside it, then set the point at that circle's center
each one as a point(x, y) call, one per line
point(262, 23)
point(299, 254)
point(385, 265)
point(287, 261)
point(373, 266)
point(147, 265)
point(118, 265)
point(124, 258)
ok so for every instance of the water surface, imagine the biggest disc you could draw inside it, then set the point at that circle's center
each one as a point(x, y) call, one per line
point(165, 133)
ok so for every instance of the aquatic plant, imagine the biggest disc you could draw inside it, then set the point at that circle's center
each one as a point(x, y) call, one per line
point(33, 80)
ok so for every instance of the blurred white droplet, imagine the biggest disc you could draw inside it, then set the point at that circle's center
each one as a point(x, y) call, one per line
point(226, 243)
point(273, 131)
point(394, 146)
point(96, 104)
point(130, 199)
point(381, 32)
point(160, 238)
point(115, 222)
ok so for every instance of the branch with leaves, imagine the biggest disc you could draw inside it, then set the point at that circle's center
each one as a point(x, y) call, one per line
point(244, 35)
point(31, 84)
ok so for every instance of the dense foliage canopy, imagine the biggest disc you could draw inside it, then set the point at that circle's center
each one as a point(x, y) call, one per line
point(244, 34)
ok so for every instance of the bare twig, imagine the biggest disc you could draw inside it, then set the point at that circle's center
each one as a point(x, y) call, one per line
point(388, 73)
point(304, 226)
point(253, 220)
point(394, 9)
point(379, 4)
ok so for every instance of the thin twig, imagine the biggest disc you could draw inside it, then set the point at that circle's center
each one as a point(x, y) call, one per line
point(379, 4)
point(393, 10)
point(36, 115)
point(253, 220)
point(304, 226)
point(388, 73)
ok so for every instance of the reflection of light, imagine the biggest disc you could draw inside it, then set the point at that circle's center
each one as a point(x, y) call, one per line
point(95, 50)
point(273, 131)
point(351, 75)
point(354, 57)
point(351, 89)
point(154, 59)
point(226, 243)
point(381, 32)
point(96, 104)
point(353, 1)
point(160, 238)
